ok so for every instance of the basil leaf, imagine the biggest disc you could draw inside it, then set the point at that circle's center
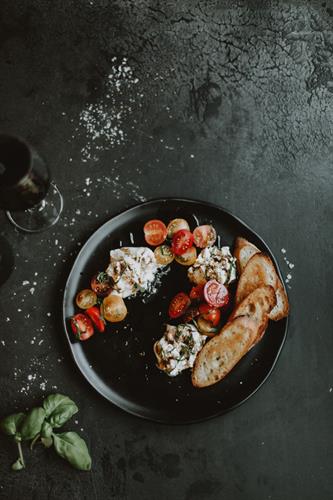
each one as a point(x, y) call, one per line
point(10, 425)
point(71, 447)
point(59, 409)
point(32, 423)
point(47, 442)
point(18, 465)
point(46, 430)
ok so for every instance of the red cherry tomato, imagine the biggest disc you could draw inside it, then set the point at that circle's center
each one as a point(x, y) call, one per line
point(210, 314)
point(82, 326)
point(216, 294)
point(96, 317)
point(179, 304)
point(181, 241)
point(190, 313)
point(101, 284)
point(155, 232)
point(204, 236)
point(196, 292)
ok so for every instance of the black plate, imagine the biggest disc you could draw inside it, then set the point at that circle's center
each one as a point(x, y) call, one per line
point(120, 363)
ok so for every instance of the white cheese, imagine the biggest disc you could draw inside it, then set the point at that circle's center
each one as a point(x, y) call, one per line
point(177, 349)
point(132, 269)
point(213, 263)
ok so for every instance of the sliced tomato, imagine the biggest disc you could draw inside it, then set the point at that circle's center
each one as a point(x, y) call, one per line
point(96, 317)
point(163, 255)
point(101, 283)
point(182, 240)
point(210, 314)
point(82, 326)
point(179, 304)
point(187, 258)
point(155, 232)
point(86, 298)
point(196, 292)
point(204, 236)
point(191, 313)
point(176, 225)
point(216, 294)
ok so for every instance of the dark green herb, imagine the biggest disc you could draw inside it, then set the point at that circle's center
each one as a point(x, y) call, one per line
point(38, 425)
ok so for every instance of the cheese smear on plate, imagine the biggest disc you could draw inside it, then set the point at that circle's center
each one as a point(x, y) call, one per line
point(132, 269)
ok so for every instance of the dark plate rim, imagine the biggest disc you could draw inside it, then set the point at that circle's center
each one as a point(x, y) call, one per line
point(75, 356)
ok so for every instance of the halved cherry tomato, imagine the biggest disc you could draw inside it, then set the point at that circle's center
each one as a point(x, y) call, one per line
point(82, 326)
point(176, 225)
point(113, 308)
point(190, 313)
point(206, 328)
point(204, 236)
point(210, 314)
point(96, 317)
point(101, 283)
point(182, 240)
point(196, 292)
point(163, 255)
point(155, 232)
point(216, 294)
point(86, 298)
point(187, 258)
point(179, 304)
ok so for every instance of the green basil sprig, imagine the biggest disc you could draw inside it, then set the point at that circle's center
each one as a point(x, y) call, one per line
point(38, 426)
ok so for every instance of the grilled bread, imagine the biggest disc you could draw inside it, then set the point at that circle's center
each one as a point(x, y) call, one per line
point(222, 352)
point(257, 306)
point(281, 310)
point(259, 271)
point(243, 252)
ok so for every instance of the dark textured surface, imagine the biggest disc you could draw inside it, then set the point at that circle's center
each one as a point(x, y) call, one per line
point(229, 102)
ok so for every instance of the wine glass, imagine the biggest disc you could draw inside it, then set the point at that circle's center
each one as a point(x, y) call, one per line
point(32, 202)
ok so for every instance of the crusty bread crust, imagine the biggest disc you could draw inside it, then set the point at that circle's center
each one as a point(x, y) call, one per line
point(243, 252)
point(259, 271)
point(281, 310)
point(257, 306)
point(222, 352)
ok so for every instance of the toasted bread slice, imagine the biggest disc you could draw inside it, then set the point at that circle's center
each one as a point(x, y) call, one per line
point(258, 272)
point(222, 352)
point(243, 252)
point(281, 309)
point(257, 305)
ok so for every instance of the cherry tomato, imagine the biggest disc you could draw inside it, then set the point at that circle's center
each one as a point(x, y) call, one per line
point(204, 236)
point(182, 240)
point(163, 255)
point(190, 313)
point(101, 283)
point(196, 292)
point(82, 326)
point(155, 232)
point(86, 298)
point(113, 308)
point(210, 314)
point(187, 258)
point(178, 305)
point(176, 225)
point(96, 317)
point(216, 294)
point(205, 327)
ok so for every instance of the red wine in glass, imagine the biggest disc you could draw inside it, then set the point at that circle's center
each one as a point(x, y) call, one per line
point(32, 202)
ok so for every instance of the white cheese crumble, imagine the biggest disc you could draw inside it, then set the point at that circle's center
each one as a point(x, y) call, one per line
point(213, 263)
point(132, 269)
point(177, 349)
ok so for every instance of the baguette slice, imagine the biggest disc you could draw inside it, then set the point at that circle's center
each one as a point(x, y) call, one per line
point(281, 310)
point(257, 305)
point(222, 352)
point(243, 252)
point(258, 272)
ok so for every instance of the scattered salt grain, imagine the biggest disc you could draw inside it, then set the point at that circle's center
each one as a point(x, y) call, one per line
point(283, 250)
point(32, 290)
point(25, 282)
